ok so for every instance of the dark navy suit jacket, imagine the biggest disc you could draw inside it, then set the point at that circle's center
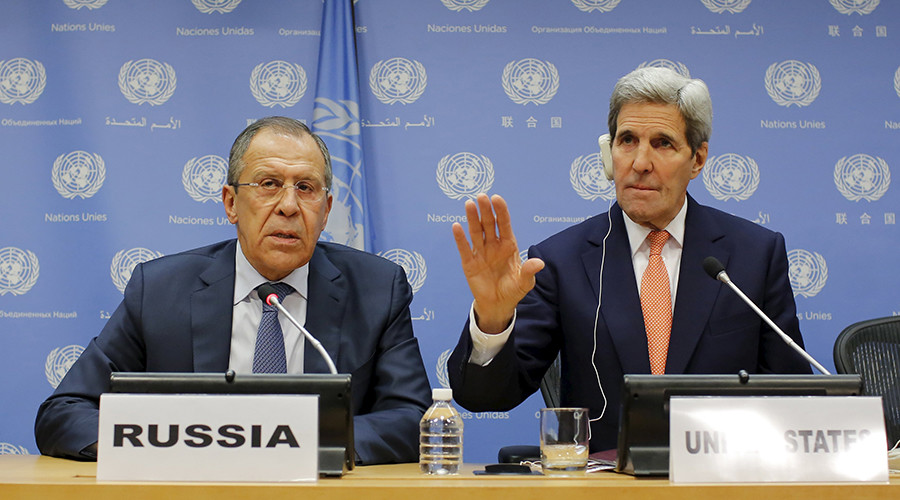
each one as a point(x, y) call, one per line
point(713, 331)
point(176, 317)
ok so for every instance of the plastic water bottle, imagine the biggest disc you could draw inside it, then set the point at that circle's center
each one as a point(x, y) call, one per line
point(441, 436)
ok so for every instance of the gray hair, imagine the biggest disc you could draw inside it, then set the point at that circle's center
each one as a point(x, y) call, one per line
point(666, 86)
point(281, 125)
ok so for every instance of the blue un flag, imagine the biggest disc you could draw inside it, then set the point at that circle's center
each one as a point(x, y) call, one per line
point(336, 120)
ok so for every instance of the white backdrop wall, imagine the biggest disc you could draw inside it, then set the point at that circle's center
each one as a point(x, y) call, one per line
point(116, 117)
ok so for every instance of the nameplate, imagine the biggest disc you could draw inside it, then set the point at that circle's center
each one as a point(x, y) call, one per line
point(777, 439)
point(234, 438)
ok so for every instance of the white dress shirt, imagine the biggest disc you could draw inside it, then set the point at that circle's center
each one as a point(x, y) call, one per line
point(485, 346)
point(247, 314)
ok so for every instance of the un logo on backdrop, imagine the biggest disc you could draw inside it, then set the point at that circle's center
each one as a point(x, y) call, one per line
point(398, 80)
point(599, 5)
point(677, 67)
point(90, 4)
point(730, 6)
point(460, 5)
point(807, 271)
point(123, 264)
point(59, 361)
point(19, 270)
point(860, 7)
point(530, 80)
point(21, 80)
point(731, 177)
point(210, 6)
point(897, 81)
point(204, 177)
point(278, 83)
point(862, 177)
point(78, 173)
point(588, 179)
point(11, 449)
point(147, 80)
point(793, 83)
point(440, 370)
point(412, 263)
point(464, 175)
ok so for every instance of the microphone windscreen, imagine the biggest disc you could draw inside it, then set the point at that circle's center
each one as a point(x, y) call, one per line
point(265, 290)
point(713, 267)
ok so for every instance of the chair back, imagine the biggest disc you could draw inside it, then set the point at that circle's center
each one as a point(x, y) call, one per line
point(871, 349)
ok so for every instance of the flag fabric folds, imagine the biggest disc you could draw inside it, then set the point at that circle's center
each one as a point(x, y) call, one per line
point(336, 119)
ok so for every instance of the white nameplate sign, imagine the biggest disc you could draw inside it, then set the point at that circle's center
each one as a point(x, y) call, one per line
point(190, 437)
point(777, 439)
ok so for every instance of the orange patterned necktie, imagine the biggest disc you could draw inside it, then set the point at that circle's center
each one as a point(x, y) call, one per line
point(656, 303)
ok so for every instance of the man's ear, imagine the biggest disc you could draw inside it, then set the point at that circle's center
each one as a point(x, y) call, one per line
point(699, 159)
point(229, 198)
point(329, 201)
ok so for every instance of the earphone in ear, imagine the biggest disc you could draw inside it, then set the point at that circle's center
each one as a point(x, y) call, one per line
point(606, 155)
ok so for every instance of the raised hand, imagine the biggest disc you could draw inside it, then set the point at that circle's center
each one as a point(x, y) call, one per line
point(496, 275)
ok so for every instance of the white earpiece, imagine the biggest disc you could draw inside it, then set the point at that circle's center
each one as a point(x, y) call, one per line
point(606, 155)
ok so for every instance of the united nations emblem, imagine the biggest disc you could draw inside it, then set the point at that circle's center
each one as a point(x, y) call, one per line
point(598, 5)
point(530, 80)
point(90, 4)
point(897, 82)
point(398, 80)
point(204, 177)
point(464, 175)
point(413, 265)
point(210, 6)
point(123, 264)
point(147, 80)
point(11, 449)
point(341, 119)
point(78, 173)
point(677, 67)
point(59, 361)
point(440, 370)
point(862, 177)
point(730, 6)
point(793, 82)
point(731, 177)
point(341, 227)
point(807, 271)
point(278, 83)
point(460, 5)
point(21, 80)
point(860, 7)
point(589, 180)
point(19, 270)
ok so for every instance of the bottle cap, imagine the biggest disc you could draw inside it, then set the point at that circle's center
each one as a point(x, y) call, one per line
point(441, 394)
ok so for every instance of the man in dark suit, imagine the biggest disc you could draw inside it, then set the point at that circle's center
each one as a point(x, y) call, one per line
point(198, 311)
point(625, 291)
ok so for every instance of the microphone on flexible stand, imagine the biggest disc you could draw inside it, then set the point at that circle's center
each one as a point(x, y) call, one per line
point(716, 270)
point(268, 295)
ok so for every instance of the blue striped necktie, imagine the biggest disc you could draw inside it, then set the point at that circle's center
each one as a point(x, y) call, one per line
point(269, 357)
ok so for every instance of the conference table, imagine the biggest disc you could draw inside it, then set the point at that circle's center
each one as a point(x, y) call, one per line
point(39, 477)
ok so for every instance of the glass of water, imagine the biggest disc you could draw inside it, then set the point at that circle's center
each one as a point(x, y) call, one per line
point(564, 440)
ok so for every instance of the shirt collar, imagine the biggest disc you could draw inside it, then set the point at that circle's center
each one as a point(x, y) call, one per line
point(247, 278)
point(637, 234)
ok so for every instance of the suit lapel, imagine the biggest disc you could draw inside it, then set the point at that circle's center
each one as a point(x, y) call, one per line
point(696, 290)
point(325, 311)
point(620, 310)
point(211, 312)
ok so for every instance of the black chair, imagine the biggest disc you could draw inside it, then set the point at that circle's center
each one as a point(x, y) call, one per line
point(550, 392)
point(871, 349)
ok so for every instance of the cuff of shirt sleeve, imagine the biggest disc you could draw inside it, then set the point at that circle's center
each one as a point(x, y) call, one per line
point(484, 345)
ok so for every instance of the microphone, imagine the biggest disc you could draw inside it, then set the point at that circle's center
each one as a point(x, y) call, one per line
point(716, 270)
point(268, 295)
